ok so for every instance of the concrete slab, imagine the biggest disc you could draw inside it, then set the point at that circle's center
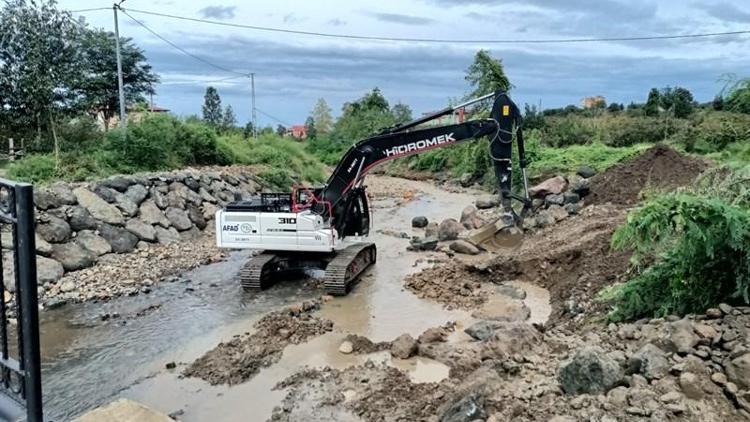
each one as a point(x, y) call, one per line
point(124, 410)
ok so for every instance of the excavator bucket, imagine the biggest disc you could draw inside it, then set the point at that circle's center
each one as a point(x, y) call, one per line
point(501, 234)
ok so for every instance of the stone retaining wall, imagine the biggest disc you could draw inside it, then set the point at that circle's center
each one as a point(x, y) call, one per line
point(77, 223)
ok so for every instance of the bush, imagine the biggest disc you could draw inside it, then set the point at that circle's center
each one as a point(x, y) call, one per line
point(623, 131)
point(34, 168)
point(700, 249)
point(714, 132)
point(550, 161)
point(568, 130)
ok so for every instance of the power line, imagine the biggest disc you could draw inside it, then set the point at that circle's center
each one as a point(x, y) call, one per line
point(198, 81)
point(444, 40)
point(182, 50)
point(93, 9)
point(271, 117)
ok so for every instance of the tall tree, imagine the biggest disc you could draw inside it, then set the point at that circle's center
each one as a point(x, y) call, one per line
point(99, 86)
point(363, 117)
point(247, 131)
point(738, 96)
point(321, 114)
point(280, 130)
point(212, 107)
point(486, 75)
point(677, 99)
point(652, 103)
point(401, 113)
point(310, 128)
point(228, 120)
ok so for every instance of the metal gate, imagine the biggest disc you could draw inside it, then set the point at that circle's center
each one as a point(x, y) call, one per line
point(20, 373)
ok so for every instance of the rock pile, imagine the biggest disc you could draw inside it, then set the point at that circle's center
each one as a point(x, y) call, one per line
point(558, 197)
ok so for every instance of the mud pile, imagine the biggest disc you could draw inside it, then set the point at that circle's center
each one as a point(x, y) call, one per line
point(660, 167)
point(452, 284)
point(242, 357)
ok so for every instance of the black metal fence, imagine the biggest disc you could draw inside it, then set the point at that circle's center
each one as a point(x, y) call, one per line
point(20, 369)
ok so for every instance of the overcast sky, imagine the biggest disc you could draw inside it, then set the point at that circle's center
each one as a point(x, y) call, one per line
point(292, 71)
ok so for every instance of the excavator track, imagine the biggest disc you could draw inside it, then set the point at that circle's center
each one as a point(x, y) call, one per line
point(257, 272)
point(346, 267)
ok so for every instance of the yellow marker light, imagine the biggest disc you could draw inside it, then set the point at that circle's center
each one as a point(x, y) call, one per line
point(506, 110)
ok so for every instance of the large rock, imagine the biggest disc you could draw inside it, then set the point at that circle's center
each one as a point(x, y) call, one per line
point(174, 200)
point(586, 172)
point(81, 219)
point(48, 270)
point(166, 236)
point(580, 186)
point(649, 361)
point(105, 193)
point(738, 371)
point(423, 244)
point(419, 221)
point(119, 183)
point(554, 199)
point(151, 214)
point(206, 195)
point(53, 229)
point(554, 185)
point(143, 230)
point(126, 205)
point(482, 330)
point(431, 230)
point(73, 256)
point(488, 201)
point(122, 241)
point(45, 199)
point(93, 242)
point(178, 218)
point(467, 409)
point(158, 197)
point(99, 208)
point(680, 336)
point(464, 247)
point(63, 193)
point(136, 193)
point(449, 229)
point(209, 211)
point(185, 193)
point(196, 216)
point(191, 183)
point(589, 371)
point(404, 347)
point(42, 246)
point(469, 218)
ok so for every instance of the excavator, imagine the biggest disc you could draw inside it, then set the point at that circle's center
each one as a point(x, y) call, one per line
point(326, 228)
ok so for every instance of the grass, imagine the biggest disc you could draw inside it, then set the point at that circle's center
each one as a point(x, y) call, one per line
point(548, 161)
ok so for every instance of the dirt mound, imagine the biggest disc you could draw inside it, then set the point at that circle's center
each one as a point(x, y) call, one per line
point(452, 284)
point(659, 167)
point(242, 357)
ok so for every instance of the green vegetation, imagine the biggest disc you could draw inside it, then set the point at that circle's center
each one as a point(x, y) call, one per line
point(695, 246)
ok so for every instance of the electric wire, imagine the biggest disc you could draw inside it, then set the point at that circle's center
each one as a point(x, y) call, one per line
point(272, 117)
point(93, 9)
point(443, 40)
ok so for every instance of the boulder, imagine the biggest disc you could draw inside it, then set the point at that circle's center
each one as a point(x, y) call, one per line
point(589, 371)
point(554, 199)
point(209, 211)
point(45, 199)
point(680, 336)
point(554, 185)
point(126, 205)
point(649, 361)
point(470, 219)
point(449, 229)
point(581, 186)
point(431, 230)
point(158, 197)
point(467, 409)
point(191, 183)
point(178, 218)
point(571, 197)
point(48, 270)
point(691, 386)
point(185, 193)
point(346, 347)
point(433, 335)
point(466, 180)
point(738, 371)
point(53, 229)
point(72, 256)
point(586, 172)
point(482, 330)
point(122, 240)
point(488, 201)
point(573, 209)
point(207, 197)
point(141, 229)
point(196, 216)
point(174, 200)
point(464, 247)
point(93, 242)
point(98, 208)
point(81, 219)
point(137, 194)
point(423, 244)
point(151, 214)
point(119, 183)
point(404, 347)
point(190, 234)
point(63, 193)
point(42, 246)
point(166, 236)
point(419, 221)
point(105, 193)
point(551, 215)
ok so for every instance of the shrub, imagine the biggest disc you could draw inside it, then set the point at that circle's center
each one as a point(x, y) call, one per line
point(622, 131)
point(713, 132)
point(700, 249)
point(34, 168)
point(568, 130)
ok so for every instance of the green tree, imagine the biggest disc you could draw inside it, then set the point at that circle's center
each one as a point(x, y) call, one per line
point(652, 103)
point(718, 103)
point(401, 113)
point(362, 118)
point(280, 130)
point(738, 97)
point(321, 114)
point(312, 131)
point(486, 75)
point(679, 100)
point(533, 118)
point(99, 86)
point(247, 131)
point(228, 120)
point(212, 107)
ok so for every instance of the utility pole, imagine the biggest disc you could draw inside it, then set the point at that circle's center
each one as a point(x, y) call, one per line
point(255, 120)
point(120, 88)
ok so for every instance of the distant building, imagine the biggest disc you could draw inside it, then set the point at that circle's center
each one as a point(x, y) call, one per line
point(596, 101)
point(297, 131)
point(134, 113)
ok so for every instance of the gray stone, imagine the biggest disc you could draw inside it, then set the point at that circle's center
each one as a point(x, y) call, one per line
point(81, 219)
point(551, 215)
point(650, 361)
point(98, 208)
point(136, 193)
point(231, 180)
point(485, 202)
point(691, 386)
point(581, 186)
point(122, 241)
point(44, 199)
point(191, 183)
point(53, 229)
point(105, 193)
point(571, 197)
point(573, 209)
point(482, 330)
point(93, 242)
point(468, 409)
point(166, 236)
point(589, 371)
point(143, 230)
point(158, 198)
point(404, 347)
point(586, 172)
point(48, 270)
point(469, 218)
point(126, 205)
point(185, 193)
point(174, 200)
point(554, 185)
point(423, 244)
point(72, 256)
point(209, 211)
point(419, 221)
point(151, 214)
point(431, 230)
point(67, 286)
point(346, 347)
point(190, 234)
point(738, 371)
point(464, 247)
point(178, 218)
point(680, 336)
point(554, 199)
point(449, 229)
point(63, 193)
point(196, 216)
point(120, 183)
point(466, 180)
point(42, 246)
point(206, 195)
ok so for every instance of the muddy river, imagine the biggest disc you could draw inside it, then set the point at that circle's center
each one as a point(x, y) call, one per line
point(95, 352)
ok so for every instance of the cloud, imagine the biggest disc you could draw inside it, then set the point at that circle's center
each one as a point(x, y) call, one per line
point(399, 18)
point(727, 12)
point(218, 12)
point(336, 22)
point(291, 18)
